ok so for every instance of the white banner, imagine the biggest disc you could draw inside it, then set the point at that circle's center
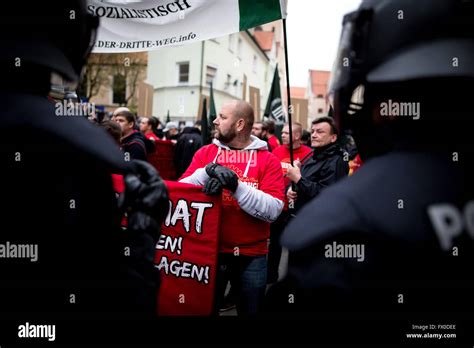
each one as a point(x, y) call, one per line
point(145, 25)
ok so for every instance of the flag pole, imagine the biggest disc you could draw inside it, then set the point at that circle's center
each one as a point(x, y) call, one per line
point(288, 96)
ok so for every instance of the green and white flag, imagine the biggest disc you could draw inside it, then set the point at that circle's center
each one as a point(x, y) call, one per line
point(145, 25)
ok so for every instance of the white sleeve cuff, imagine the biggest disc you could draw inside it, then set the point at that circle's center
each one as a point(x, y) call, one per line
point(199, 177)
point(258, 203)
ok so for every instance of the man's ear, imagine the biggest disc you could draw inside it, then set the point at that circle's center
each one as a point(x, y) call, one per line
point(333, 138)
point(240, 124)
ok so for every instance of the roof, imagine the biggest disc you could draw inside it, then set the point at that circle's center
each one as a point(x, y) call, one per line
point(297, 92)
point(319, 81)
point(256, 44)
point(264, 39)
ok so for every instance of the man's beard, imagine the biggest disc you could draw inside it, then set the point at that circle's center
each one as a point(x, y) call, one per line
point(226, 138)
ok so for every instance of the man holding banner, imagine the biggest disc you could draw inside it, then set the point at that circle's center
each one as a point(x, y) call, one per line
point(240, 167)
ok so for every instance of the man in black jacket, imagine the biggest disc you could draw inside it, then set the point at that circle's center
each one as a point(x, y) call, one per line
point(188, 143)
point(326, 167)
point(134, 144)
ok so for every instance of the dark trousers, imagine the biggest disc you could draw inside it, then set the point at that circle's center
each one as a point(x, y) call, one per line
point(275, 249)
point(248, 279)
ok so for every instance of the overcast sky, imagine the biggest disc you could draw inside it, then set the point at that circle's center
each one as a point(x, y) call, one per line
point(313, 29)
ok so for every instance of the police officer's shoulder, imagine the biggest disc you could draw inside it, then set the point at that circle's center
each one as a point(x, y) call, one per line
point(333, 211)
point(383, 196)
point(33, 112)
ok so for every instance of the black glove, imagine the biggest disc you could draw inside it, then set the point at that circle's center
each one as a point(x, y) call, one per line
point(226, 177)
point(212, 187)
point(145, 198)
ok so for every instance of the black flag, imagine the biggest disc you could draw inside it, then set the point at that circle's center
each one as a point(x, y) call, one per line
point(274, 109)
point(205, 135)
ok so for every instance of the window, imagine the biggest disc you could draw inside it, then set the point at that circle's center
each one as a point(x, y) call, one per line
point(231, 42)
point(183, 72)
point(254, 65)
point(239, 48)
point(237, 88)
point(227, 82)
point(320, 111)
point(210, 74)
point(119, 89)
point(320, 96)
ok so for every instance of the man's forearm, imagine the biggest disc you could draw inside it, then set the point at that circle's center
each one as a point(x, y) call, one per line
point(258, 203)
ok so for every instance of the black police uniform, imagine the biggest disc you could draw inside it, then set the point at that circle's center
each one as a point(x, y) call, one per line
point(395, 207)
point(57, 193)
point(62, 251)
point(397, 236)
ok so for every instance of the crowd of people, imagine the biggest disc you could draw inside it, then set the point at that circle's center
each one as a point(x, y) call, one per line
point(168, 148)
point(261, 190)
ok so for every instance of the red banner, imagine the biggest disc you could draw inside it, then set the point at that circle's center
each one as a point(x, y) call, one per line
point(162, 159)
point(186, 253)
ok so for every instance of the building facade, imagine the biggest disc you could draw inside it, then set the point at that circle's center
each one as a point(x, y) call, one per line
point(181, 76)
point(317, 93)
point(299, 101)
point(117, 79)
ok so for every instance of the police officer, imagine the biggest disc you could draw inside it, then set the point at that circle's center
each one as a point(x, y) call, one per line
point(398, 234)
point(58, 205)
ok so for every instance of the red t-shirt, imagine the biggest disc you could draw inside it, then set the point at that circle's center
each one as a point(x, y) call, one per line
point(152, 136)
point(283, 154)
point(273, 142)
point(239, 229)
